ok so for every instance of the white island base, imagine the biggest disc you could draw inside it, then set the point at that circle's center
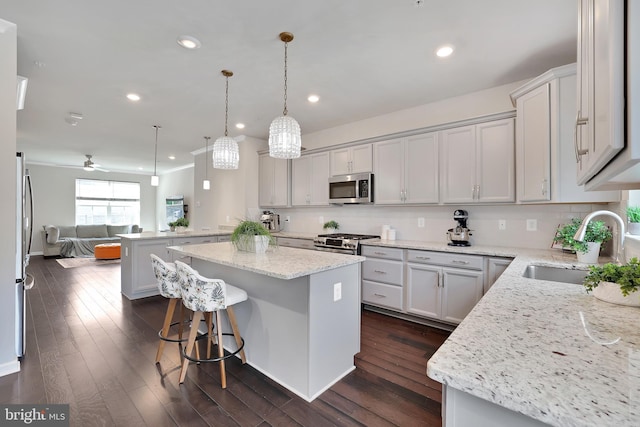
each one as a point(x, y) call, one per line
point(295, 332)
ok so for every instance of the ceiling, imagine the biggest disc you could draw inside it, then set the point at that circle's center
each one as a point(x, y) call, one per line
point(362, 58)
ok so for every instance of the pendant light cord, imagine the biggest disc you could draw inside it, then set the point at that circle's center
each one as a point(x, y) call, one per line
point(206, 161)
point(284, 112)
point(226, 106)
point(155, 159)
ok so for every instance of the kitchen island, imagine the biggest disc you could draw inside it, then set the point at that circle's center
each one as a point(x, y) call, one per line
point(301, 323)
point(535, 352)
point(136, 275)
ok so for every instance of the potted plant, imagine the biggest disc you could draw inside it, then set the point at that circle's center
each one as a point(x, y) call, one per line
point(331, 226)
point(633, 215)
point(179, 225)
point(588, 249)
point(617, 284)
point(252, 236)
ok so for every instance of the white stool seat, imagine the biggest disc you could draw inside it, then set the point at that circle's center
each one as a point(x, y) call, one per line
point(235, 295)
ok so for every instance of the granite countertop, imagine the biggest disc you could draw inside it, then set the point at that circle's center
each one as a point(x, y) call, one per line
point(148, 235)
point(280, 262)
point(525, 347)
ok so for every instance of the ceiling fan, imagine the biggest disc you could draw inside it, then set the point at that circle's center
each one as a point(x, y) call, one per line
point(90, 166)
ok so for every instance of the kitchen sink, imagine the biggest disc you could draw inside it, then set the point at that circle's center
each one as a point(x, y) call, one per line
point(555, 274)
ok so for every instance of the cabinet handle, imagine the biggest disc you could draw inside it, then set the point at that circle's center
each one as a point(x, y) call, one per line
point(455, 261)
point(380, 253)
point(379, 271)
point(440, 281)
point(380, 295)
point(544, 187)
point(473, 192)
point(423, 257)
point(478, 192)
point(580, 121)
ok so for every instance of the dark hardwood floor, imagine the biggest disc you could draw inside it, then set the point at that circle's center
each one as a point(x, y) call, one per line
point(93, 348)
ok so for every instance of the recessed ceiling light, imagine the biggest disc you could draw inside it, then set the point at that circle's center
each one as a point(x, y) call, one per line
point(240, 125)
point(189, 42)
point(133, 97)
point(313, 98)
point(172, 157)
point(444, 51)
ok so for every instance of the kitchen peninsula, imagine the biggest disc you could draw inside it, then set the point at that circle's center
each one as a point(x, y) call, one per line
point(136, 275)
point(301, 323)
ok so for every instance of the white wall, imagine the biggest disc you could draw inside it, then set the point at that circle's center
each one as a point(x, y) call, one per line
point(177, 183)
point(233, 192)
point(54, 196)
point(8, 71)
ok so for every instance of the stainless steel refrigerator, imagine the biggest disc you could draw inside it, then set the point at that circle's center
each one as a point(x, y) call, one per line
point(24, 236)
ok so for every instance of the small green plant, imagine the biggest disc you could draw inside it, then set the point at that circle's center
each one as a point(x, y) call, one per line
point(633, 213)
point(248, 229)
point(331, 224)
point(180, 222)
point(626, 275)
point(596, 232)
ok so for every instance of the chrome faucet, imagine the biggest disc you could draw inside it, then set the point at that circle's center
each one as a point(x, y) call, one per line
point(579, 236)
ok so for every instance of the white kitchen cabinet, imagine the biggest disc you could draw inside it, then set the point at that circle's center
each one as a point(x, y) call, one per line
point(478, 163)
point(600, 74)
point(356, 159)
point(545, 155)
point(137, 277)
point(310, 180)
point(273, 185)
point(383, 277)
point(189, 240)
point(495, 268)
point(406, 170)
point(443, 293)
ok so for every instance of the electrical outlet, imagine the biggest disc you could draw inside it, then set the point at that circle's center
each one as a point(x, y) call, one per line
point(321, 220)
point(420, 222)
point(502, 224)
point(532, 225)
point(337, 291)
point(287, 218)
point(228, 218)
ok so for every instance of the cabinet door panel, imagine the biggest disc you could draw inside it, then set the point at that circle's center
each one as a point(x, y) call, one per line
point(383, 271)
point(300, 181)
point(495, 165)
point(362, 158)
point(319, 180)
point(423, 290)
point(458, 163)
point(389, 161)
point(265, 185)
point(462, 290)
point(340, 159)
point(422, 169)
point(533, 145)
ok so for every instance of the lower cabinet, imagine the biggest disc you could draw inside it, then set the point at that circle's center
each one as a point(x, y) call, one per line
point(293, 242)
point(495, 267)
point(437, 285)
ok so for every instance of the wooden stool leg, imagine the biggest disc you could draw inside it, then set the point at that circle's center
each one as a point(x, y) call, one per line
point(165, 327)
point(183, 312)
point(236, 334)
point(192, 340)
point(223, 373)
point(210, 332)
point(196, 326)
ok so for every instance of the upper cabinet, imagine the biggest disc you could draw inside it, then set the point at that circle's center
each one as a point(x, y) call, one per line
point(545, 156)
point(351, 160)
point(310, 180)
point(599, 122)
point(273, 186)
point(406, 170)
point(477, 163)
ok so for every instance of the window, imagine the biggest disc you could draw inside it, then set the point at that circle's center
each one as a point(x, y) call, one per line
point(107, 202)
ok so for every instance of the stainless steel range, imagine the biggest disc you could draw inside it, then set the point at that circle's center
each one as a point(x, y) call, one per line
point(342, 242)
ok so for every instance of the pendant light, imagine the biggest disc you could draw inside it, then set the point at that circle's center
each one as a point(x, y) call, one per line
point(225, 148)
point(206, 185)
point(284, 132)
point(155, 180)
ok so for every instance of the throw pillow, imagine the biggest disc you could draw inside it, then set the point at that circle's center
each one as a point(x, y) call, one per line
point(53, 234)
point(92, 231)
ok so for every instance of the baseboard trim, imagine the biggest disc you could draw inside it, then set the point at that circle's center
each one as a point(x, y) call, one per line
point(10, 367)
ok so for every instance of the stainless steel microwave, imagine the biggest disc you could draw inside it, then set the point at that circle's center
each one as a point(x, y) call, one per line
point(353, 188)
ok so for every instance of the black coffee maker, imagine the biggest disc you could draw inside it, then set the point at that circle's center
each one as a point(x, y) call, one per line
point(459, 236)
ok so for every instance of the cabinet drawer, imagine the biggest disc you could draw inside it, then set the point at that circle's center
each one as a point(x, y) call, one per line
point(194, 240)
point(381, 294)
point(381, 270)
point(473, 262)
point(291, 242)
point(380, 252)
point(224, 238)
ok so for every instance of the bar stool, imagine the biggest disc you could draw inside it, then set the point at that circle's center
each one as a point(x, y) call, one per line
point(169, 287)
point(206, 296)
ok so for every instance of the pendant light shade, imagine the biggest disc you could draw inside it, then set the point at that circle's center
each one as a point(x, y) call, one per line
point(206, 185)
point(284, 133)
point(225, 149)
point(155, 180)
